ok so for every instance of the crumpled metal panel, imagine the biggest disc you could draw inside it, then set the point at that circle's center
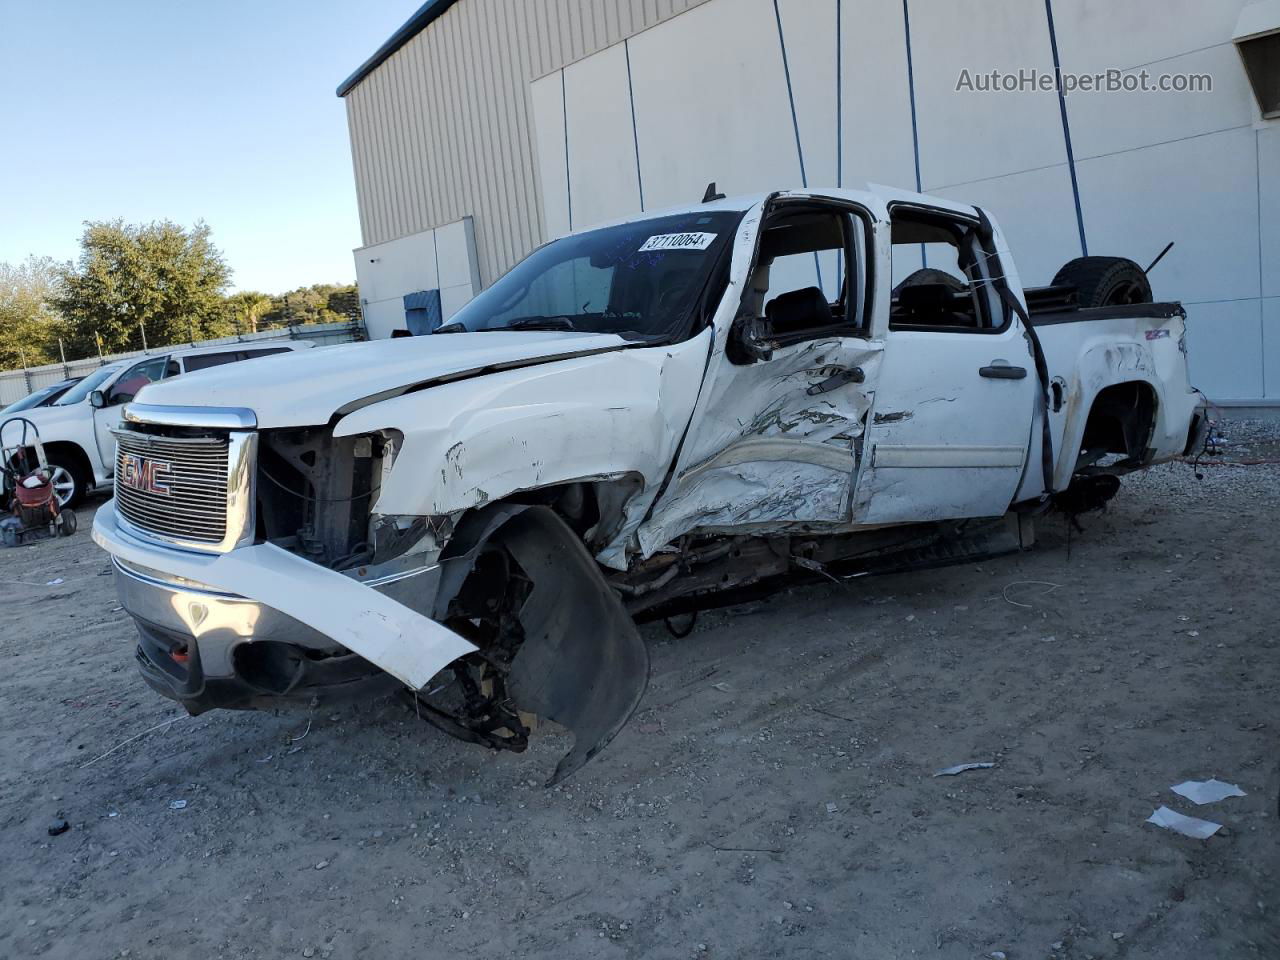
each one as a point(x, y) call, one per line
point(764, 451)
point(582, 662)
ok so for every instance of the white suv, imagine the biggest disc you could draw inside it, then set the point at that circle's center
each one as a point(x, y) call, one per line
point(77, 430)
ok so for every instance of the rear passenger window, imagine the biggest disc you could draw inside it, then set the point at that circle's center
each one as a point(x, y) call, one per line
point(942, 274)
point(250, 354)
point(203, 361)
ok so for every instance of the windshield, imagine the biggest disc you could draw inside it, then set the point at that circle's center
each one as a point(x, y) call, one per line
point(86, 386)
point(641, 280)
point(32, 400)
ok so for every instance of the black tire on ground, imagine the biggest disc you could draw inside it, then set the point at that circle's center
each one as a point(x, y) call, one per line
point(76, 472)
point(1105, 281)
point(67, 522)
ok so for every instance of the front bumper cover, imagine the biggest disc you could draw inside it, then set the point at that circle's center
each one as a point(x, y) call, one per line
point(262, 592)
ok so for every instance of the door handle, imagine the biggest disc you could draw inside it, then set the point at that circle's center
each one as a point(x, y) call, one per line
point(1001, 370)
point(838, 379)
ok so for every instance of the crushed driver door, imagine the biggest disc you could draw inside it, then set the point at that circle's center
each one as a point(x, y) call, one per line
point(773, 440)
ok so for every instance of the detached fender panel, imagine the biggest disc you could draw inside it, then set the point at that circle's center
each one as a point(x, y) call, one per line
point(406, 644)
point(582, 662)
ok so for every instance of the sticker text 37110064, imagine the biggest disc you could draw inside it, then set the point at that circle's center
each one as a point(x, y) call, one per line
point(678, 241)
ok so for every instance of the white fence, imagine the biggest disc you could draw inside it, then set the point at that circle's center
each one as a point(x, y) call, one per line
point(16, 384)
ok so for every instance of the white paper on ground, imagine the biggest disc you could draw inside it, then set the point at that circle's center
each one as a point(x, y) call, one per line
point(1207, 791)
point(1187, 826)
point(961, 768)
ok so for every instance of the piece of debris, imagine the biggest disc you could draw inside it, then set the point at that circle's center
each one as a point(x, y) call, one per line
point(722, 687)
point(322, 864)
point(998, 955)
point(832, 808)
point(961, 768)
point(1117, 935)
point(58, 827)
point(1187, 826)
point(177, 804)
point(1207, 791)
point(54, 583)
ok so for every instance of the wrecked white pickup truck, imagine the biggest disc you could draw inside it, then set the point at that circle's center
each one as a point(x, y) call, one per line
point(637, 421)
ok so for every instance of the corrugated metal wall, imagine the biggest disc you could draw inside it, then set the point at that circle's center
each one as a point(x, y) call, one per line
point(442, 129)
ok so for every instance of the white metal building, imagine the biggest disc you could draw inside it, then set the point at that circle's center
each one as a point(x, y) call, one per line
point(484, 127)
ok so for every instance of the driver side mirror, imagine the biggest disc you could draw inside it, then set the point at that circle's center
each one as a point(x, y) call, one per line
point(97, 399)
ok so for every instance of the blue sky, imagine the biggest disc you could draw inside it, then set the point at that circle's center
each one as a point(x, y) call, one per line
point(171, 109)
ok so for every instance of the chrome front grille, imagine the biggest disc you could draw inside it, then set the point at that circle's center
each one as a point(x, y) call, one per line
point(177, 488)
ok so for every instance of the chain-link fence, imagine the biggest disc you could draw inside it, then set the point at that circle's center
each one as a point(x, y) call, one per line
point(16, 384)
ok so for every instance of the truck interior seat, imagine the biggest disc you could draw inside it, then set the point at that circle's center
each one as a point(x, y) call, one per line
point(798, 310)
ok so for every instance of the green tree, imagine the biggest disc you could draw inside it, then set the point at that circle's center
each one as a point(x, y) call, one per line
point(318, 303)
point(246, 310)
point(158, 277)
point(29, 328)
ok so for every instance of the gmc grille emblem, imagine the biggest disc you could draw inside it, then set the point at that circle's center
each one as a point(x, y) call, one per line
point(149, 476)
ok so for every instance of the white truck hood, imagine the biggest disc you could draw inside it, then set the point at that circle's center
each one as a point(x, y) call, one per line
point(307, 387)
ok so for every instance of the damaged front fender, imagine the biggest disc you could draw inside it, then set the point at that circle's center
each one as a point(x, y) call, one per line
point(582, 663)
point(553, 639)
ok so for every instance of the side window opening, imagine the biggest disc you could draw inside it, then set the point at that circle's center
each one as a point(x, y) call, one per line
point(203, 361)
point(137, 377)
point(801, 280)
point(941, 274)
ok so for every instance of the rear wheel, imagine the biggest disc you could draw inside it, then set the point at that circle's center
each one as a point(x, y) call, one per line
point(1105, 281)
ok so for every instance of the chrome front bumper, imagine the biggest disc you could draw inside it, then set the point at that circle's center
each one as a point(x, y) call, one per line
point(229, 610)
point(207, 649)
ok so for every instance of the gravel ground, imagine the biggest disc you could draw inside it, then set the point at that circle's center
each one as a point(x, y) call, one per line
point(773, 797)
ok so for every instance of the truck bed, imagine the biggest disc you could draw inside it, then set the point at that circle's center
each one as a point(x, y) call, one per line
point(1069, 314)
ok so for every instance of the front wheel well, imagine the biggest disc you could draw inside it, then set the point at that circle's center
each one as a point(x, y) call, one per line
point(1121, 421)
point(67, 453)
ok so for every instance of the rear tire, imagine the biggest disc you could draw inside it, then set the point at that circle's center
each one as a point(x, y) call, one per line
point(1105, 281)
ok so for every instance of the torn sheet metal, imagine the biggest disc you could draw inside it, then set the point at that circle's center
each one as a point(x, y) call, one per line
point(762, 450)
point(1207, 791)
point(483, 439)
point(1192, 827)
point(582, 662)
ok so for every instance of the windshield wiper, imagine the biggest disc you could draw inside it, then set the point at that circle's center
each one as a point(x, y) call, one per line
point(539, 323)
point(455, 327)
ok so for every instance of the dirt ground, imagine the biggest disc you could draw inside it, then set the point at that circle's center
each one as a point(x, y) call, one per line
point(773, 797)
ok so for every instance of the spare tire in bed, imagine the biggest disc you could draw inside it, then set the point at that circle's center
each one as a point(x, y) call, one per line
point(1105, 281)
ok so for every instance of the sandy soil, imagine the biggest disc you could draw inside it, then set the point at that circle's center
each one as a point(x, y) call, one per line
point(773, 797)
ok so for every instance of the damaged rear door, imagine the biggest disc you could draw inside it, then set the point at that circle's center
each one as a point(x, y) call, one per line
point(774, 438)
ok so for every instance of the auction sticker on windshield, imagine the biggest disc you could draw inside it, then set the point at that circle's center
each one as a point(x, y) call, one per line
point(678, 241)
